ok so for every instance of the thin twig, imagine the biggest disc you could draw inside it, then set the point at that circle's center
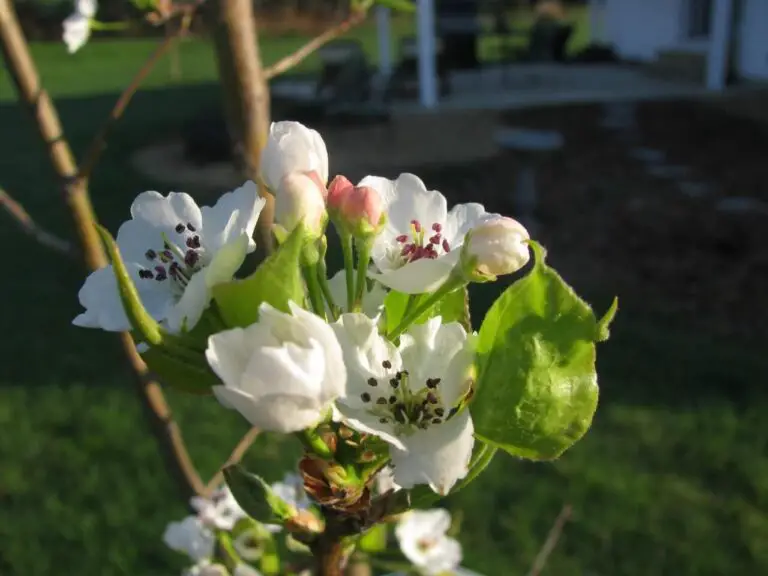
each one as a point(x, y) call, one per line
point(237, 454)
point(551, 542)
point(99, 141)
point(29, 226)
point(288, 62)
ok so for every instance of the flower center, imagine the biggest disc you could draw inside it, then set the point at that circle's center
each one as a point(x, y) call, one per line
point(174, 264)
point(421, 245)
point(397, 403)
point(425, 544)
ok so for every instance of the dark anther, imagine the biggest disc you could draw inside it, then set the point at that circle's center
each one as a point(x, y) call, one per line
point(392, 399)
point(387, 364)
point(146, 274)
point(400, 413)
point(191, 258)
point(452, 413)
point(150, 254)
point(365, 397)
point(431, 398)
point(437, 421)
point(440, 412)
point(179, 228)
point(433, 382)
point(383, 420)
point(166, 246)
point(167, 254)
point(436, 227)
point(193, 242)
point(190, 227)
point(372, 382)
point(381, 401)
point(394, 382)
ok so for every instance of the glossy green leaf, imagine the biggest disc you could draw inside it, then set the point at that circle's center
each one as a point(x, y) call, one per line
point(374, 540)
point(537, 384)
point(452, 308)
point(256, 497)
point(276, 281)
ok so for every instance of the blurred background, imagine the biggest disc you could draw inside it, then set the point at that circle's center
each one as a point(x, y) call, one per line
point(629, 135)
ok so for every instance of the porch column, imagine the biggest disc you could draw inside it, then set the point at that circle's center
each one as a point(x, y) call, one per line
point(597, 21)
point(384, 36)
point(425, 30)
point(718, 54)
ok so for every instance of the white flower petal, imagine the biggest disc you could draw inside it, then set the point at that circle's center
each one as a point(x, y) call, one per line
point(190, 537)
point(438, 456)
point(292, 147)
point(227, 261)
point(461, 219)
point(165, 212)
point(234, 214)
point(422, 537)
point(191, 305)
point(425, 275)
point(86, 7)
point(373, 299)
point(76, 31)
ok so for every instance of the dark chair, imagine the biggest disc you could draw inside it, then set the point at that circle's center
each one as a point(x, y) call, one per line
point(458, 25)
point(404, 81)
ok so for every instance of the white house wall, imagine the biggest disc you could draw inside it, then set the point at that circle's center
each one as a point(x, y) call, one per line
point(752, 43)
point(639, 28)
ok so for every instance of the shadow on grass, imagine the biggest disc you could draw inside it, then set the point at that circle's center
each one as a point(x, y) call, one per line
point(671, 480)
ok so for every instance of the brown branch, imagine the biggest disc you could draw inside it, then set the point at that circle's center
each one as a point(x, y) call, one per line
point(288, 62)
point(237, 454)
point(551, 542)
point(27, 80)
point(30, 227)
point(99, 142)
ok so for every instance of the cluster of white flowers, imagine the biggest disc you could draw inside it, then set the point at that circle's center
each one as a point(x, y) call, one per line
point(423, 539)
point(290, 370)
point(77, 26)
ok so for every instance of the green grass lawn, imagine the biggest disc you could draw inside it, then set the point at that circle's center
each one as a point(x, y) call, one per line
point(672, 479)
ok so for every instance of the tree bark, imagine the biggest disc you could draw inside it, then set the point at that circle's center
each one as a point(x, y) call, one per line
point(245, 93)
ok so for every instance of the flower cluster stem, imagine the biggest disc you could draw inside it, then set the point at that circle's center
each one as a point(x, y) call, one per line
point(453, 282)
point(314, 289)
point(349, 267)
point(363, 259)
point(322, 277)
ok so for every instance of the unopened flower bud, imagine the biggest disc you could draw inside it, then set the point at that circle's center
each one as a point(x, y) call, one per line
point(496, 247)
point(300, 197)
point(358, 210)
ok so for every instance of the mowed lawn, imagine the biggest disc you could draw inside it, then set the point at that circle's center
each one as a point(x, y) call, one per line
point(672, 479)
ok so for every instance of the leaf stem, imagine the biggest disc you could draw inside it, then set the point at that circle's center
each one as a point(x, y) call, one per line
point(322, 277)
point(453, 282)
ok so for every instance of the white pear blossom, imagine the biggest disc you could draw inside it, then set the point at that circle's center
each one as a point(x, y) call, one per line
point(385, 481)
point(408, 396)
point(191, 537)
point(419, 246)
point(175, 253)
point(295, 167)
point(281, 373)
point(77, 26)
point(373, 299)
point(422, 536)
point(220, 511)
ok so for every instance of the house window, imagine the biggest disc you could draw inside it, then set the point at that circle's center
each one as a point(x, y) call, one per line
point(699, 14)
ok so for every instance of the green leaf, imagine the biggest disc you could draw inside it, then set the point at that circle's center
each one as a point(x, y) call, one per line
point(603, 325)
point(374, 540)
point(138, 316)
point(402, 5)
point(256, 497)
point(181, 370)
point(537, 385)
point(276, 281)
point(452, 307)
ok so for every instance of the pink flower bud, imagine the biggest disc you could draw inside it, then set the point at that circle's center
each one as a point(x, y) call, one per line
point(338, 189)
point(300, 199)
point(498, 246)
point(357, 209)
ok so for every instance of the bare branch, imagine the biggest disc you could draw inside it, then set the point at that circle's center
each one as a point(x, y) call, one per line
point(237, 455)
point(99, 141)
point(25, 75)
point(288, 62)
point(29, 226)
point(551, 542)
